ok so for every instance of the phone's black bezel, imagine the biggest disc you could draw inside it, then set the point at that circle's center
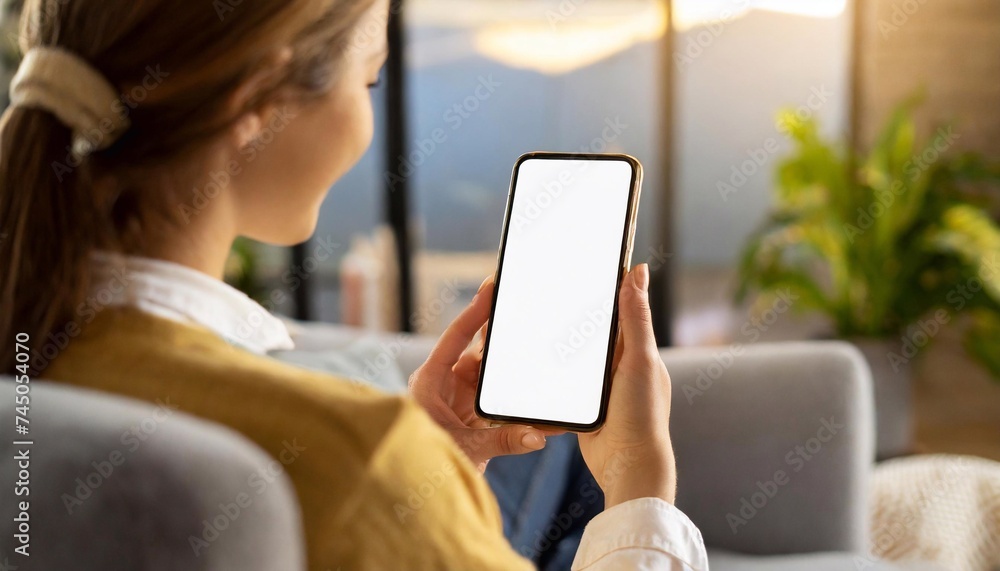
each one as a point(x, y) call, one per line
point(628, 235)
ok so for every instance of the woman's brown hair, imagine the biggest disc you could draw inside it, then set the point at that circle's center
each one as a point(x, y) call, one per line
point(178, 68)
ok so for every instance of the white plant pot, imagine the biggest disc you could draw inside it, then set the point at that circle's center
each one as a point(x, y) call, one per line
point(893, 382)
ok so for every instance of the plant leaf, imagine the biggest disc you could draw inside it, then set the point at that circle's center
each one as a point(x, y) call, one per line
point(967, 232)
point(982, 341)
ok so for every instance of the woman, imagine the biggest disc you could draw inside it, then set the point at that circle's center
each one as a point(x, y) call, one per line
point(142, 139)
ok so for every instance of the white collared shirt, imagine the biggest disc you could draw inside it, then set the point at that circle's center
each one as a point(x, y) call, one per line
point(180, 293)
point(646, 533)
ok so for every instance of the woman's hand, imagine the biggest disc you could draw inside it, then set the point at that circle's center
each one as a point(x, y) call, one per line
point(631, 456)
point(445, 385)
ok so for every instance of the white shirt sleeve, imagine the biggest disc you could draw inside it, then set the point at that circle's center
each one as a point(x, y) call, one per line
point(641, 534)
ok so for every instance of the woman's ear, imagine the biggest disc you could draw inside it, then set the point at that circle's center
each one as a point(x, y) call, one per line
point(247, 129)
point(251, 123)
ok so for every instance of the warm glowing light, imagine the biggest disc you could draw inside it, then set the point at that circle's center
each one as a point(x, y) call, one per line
point(692, 13)
point(811, 8)
point(548, 37)
point(560, 46)
point(557, 38)
point(474, 13)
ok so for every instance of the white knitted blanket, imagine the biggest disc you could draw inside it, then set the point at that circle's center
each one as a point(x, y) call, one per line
point(939, 508)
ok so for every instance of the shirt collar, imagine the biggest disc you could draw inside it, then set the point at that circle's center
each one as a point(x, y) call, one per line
point(182, 294)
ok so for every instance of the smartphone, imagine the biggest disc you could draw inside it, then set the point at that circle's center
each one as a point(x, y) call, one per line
point(566, 245)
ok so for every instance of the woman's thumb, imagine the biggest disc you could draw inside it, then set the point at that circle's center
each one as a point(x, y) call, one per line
point(507, 440)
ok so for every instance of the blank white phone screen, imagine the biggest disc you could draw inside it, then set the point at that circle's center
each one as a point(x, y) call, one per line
point(548, 344)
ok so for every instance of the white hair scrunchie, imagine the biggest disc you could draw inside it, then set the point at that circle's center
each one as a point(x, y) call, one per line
point(66, 85)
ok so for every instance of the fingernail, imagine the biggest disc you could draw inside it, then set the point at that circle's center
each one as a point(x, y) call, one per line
point(642, 277)
point(533, 441)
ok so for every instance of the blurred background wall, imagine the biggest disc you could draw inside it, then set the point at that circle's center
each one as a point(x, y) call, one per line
point(736, 65)
point(950, 49)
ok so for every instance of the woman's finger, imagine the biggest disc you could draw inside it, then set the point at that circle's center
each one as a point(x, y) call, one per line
point(467, 367)
point(460, 333)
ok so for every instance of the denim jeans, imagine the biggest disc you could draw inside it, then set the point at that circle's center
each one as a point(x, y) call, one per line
point(546, 498)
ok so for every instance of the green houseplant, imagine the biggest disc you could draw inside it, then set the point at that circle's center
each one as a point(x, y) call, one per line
point(889, 245)
point(243, 269)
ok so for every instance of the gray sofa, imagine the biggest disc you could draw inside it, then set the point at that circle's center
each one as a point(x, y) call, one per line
point(774, 449)
point(739, 416)
point(122, 485)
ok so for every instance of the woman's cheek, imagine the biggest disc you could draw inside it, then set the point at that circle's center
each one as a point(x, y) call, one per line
point(347, 133)
point(365, 128)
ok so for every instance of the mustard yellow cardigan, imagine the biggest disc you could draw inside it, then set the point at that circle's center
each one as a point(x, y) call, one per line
point(381, 486)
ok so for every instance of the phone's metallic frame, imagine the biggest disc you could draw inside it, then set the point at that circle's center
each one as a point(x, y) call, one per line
point(628, 239)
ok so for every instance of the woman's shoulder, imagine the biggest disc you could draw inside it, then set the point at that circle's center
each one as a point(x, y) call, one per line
point(132, 353)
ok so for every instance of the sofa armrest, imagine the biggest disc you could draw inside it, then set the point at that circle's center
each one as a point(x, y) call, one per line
point(774, 445)
point(122, 484)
